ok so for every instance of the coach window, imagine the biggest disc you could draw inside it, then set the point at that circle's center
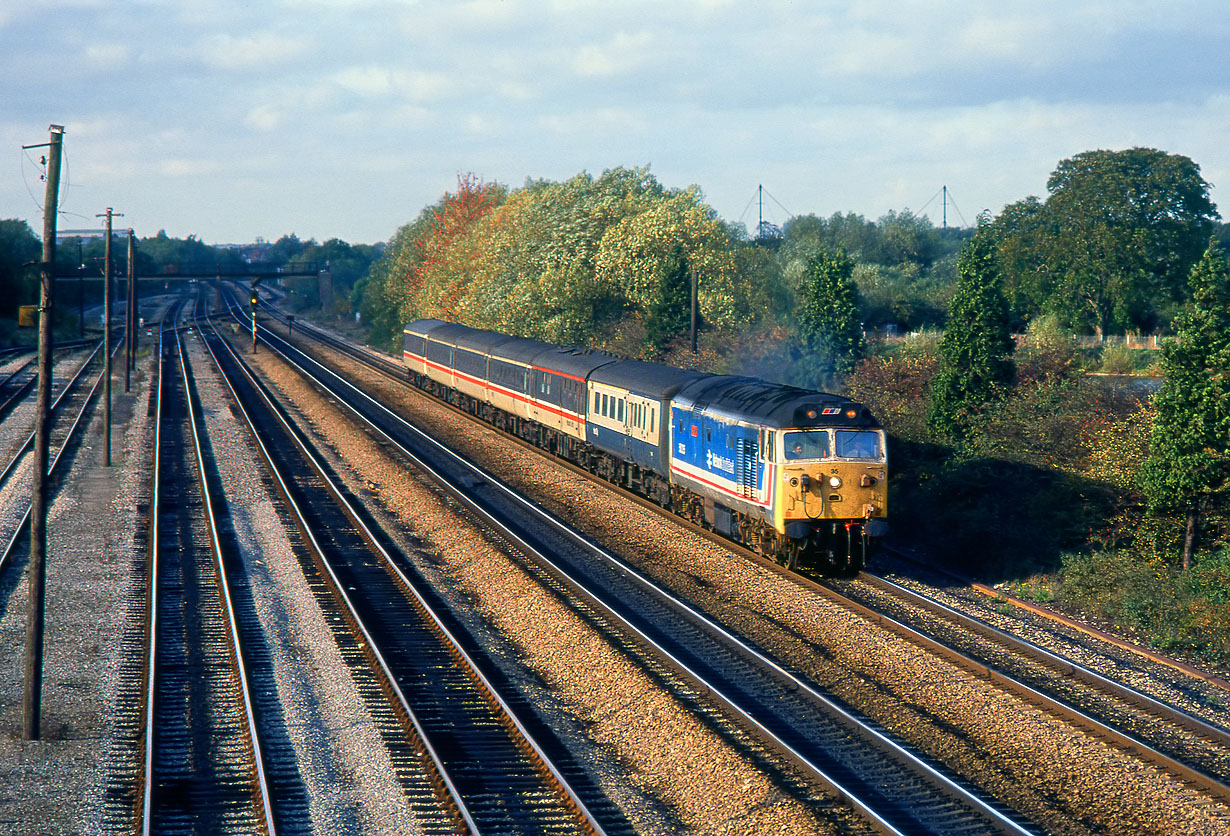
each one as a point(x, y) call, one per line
point(621, 410)
point(597, 401)
point(652, 414)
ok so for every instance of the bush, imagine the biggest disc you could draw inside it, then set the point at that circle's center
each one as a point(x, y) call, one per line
point(1177, 611)
point(1118, 360)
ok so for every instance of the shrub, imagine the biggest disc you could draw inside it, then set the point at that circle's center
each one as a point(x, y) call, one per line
point(1118, 360)
point(1178, 611)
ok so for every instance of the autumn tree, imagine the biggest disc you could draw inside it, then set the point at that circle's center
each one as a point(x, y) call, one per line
point(976, 366)
point(1188, 467)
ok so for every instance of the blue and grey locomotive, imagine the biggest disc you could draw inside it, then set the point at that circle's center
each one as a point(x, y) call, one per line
point(796, 475)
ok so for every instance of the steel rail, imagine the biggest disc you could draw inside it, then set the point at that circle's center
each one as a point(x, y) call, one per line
point(262, 786)
point(921, 767)
point(571, 797)
point(55, 404)
point(1053, 661)
point(23, 525)
point(151, 648)
point(1062, 666)
point(371, 647)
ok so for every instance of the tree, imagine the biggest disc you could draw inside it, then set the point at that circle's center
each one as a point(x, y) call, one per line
point(976, 366)
point(1188, 466)
point(668, 315)
point(19, 247)
point(1119, 232)
point(829, 321)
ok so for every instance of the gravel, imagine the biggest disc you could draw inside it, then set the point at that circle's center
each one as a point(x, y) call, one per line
point(53, 785)
point(1039, 764)
point(664, 767)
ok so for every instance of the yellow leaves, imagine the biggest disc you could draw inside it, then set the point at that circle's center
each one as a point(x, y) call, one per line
point(635, 254)
point(1117, 447)
point(559, 260)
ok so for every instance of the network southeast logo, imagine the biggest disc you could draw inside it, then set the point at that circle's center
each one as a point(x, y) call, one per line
point(722, 463)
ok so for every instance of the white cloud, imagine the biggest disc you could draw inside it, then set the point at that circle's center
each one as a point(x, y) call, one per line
point(107, 56)
point(264, 118)
point(382, 82)
point(622, 54)
point(261, 50)
point(861, 107)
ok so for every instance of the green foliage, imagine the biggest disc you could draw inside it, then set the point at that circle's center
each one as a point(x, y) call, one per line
point(897, 387)
point(1189, 460)
point(668, 313)
point(1048, 353)
point(976, 366)
point(1177, 611)
point(566, 262)
point(19, 246)
point(1117, 359)
point(1116, 237)
point(829, 323)
point(156, 256)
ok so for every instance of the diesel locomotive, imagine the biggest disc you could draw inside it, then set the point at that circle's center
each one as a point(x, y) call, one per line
point(795, 475)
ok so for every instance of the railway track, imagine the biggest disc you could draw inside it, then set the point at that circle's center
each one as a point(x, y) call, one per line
point(466, 758)
point(1174, 741)
point(818, 741)
point(190, 757)
point(68, 409)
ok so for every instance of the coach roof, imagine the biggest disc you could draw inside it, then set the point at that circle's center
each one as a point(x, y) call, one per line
point(652, 380)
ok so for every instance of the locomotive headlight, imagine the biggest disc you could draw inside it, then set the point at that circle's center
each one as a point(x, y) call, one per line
point(834, 482)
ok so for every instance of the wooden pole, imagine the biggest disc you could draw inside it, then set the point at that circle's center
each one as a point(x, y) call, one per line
point(107, 344)
point(130, 322)
point(32, 702)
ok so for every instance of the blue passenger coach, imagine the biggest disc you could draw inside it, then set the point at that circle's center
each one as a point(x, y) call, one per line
point(629, 419)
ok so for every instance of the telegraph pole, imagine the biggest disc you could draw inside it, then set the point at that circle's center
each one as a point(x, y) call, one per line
point(32, 703)
point(80, 291)
point(107, 338)
point(130, 332)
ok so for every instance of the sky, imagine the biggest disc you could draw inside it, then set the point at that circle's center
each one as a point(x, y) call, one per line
point(345, 118)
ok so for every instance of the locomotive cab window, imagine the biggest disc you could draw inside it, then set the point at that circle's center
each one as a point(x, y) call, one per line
point(858, 444)
point(813, 444)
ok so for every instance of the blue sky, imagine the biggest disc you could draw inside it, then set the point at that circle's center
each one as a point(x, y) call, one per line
point(344, 118)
